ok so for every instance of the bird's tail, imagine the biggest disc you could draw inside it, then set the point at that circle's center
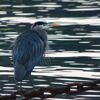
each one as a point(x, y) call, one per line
point(19, 71)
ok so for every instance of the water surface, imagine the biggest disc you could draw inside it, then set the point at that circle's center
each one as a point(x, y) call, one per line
point(74, 46)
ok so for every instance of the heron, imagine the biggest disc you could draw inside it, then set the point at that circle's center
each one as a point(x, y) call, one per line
point(29, 48)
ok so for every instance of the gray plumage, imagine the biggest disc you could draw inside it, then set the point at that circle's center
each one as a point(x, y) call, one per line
point(28, 50)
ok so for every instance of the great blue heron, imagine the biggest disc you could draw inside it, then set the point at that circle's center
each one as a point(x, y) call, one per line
point(28, 49)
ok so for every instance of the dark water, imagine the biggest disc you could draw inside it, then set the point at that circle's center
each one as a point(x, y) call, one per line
point(74, 46)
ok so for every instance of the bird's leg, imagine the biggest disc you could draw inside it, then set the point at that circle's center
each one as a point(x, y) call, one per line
point(21, 90)
point(31, 80)
point(20, 85)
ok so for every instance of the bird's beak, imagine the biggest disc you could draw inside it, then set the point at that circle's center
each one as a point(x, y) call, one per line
point(53, 25)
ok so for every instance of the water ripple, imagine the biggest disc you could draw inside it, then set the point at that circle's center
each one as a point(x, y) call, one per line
point(73, 54)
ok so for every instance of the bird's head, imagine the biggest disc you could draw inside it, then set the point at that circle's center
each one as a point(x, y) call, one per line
point(43, 25)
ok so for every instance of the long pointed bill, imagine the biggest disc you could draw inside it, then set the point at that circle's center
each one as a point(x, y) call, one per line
point(53, 25)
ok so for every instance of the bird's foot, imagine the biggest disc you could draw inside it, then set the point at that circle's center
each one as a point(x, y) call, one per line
point(21, 91)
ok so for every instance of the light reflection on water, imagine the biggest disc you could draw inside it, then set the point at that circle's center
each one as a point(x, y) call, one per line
point(74, 46)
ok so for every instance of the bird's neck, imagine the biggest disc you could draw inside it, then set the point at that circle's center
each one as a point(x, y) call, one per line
point(42, 33)
point(38, 29)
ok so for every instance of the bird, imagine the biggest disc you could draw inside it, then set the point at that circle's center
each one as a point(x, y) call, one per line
point(29, 48)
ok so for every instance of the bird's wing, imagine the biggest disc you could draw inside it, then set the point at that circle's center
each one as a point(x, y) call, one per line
point(28, 49)
point(25, 51)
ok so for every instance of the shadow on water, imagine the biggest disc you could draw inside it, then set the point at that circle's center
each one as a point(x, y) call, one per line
point(74, 46)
